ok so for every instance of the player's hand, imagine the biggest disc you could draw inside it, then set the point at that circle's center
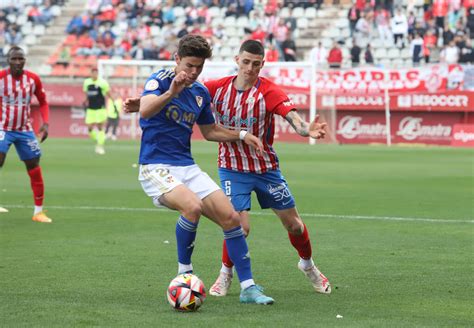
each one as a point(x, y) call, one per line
point(317, 130)
point(131, 105)
point(179, 83)
point(254, 142)
point(43, 132)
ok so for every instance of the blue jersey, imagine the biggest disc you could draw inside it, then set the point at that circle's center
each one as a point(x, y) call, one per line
point(166, 137)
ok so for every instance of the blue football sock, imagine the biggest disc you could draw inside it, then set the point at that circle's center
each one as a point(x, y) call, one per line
point(239, 252)
point(185, 236)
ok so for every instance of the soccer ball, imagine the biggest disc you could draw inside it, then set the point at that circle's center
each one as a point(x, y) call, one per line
point(186, 292)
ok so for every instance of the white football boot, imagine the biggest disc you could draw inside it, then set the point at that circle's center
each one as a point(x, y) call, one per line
point(222, 284)
point(318, 280)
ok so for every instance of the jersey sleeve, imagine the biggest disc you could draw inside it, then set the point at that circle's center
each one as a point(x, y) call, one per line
point(278, 101)
point(155, 86)
point(206, 116)
point(105, 87)
point(211, 87)
point(41, 96)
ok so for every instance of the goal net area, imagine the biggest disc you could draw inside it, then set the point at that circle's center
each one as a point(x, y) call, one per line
point(297, 79)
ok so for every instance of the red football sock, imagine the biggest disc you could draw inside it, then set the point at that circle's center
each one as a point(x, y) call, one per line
point(302, 244)
point(225, 256)
point(37, 185)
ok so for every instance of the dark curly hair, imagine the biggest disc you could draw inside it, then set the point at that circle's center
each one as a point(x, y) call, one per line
point(192, 45)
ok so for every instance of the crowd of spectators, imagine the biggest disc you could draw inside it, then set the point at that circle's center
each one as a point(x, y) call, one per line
point(431, 27)
point(148, 29)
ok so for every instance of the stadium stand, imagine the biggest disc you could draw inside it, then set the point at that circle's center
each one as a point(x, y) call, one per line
point(66, 38)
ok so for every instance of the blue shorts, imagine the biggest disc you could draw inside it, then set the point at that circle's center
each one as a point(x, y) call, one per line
point(271, 189)
point(26, 144)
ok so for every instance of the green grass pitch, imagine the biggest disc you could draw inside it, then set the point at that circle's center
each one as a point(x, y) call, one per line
point(392, 228)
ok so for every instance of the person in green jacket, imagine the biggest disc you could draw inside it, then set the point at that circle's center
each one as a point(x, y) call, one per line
point(114, 108)
point(96, 90)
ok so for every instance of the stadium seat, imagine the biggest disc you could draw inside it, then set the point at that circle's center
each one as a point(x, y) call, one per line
point(393, 53)
point(380, 53)
point(298, 12)
point(310, 13)
point(230, 21)
point(21, 20)
point(214, 11)
point(56, 11)
point(39, 30)
point(284, 12)
point(179, 12)
point(70, 40)
point(30, 39)
point(302, 23)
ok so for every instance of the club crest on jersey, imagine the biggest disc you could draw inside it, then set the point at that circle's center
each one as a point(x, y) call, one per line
point(250, 101)
point(151, 85)
point(199, 100)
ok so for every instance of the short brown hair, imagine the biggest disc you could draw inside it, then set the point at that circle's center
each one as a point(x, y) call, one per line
point(192, 45)
point(253, 47)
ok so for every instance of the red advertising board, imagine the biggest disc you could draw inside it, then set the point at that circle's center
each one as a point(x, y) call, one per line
point(419, 127)
point(463, 135)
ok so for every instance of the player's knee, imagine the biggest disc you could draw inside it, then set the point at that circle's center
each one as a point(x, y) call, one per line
point(295, 227)
point(229, 221)
point(193, 211)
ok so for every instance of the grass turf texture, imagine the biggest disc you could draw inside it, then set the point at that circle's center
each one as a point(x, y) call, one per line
point(101, 263)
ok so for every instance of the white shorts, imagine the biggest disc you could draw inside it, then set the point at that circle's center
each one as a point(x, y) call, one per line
point(158, 179)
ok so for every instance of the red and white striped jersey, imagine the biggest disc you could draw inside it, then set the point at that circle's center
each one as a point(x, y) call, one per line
point(252, 110)
point(15, 98)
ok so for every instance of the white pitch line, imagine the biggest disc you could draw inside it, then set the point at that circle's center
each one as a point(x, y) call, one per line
point(306, 215)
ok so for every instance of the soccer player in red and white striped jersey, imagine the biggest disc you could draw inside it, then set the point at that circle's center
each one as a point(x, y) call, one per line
point(17, 87)
point(248, 102)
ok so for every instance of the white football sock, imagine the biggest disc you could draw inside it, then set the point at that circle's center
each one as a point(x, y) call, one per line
point(247, 283)
point(182, 268)
point(38, 209)
point(226, 269)
point(306, 264)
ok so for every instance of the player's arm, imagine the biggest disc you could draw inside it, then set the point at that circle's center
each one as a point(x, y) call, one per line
point(314, 129)
point(152, 104)
point(214, 132)
point(44, 109)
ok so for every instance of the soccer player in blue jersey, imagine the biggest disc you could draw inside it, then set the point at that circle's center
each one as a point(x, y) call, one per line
point(172, 102)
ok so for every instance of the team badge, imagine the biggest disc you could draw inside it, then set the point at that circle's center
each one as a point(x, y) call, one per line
point(199, 100)
point(250, 101)
point(151, 85)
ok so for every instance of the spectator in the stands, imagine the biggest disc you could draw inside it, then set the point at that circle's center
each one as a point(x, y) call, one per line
point(335, 56)
point(280, 34)
point(318, 55)
point(450, 54)
point(416, 49)
point(13, 37)
point(259, 34)
point(470, 18)
point(429, 44)
point(41, 15)
point(448, 34)
point(353, 15)
point(382, 21)
point(399, 27)
point(75, 25)
point(289, 49)
point(411, 22)
point(368, 56)
point(271, 54)
point(86, 46)
point(363, 30)
point(440, 11)
point(355, 53)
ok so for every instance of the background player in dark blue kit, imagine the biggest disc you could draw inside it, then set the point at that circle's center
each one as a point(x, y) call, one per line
point(170, 105)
